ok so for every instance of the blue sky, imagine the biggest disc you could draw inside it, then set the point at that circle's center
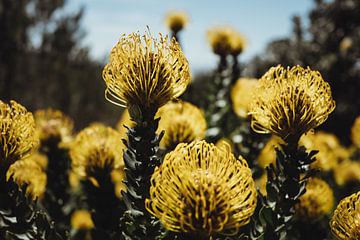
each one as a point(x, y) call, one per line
point(259, 20)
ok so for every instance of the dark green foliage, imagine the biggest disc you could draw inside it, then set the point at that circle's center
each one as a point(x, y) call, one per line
point(57, 194)
point(286, 182)
point(20, 218)
point(141, 158)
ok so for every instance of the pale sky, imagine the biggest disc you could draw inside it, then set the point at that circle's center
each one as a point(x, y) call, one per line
point(259, 20)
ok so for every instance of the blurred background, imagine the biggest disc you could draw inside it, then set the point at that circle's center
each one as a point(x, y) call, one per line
point(52, 52)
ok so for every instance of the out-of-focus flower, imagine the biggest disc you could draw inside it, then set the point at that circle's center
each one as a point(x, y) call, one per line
point(53, 124)
point(124, 120)
point(355, 132)
point(18, 136)
point(38, 158)
point(28, 173)
point(81, 219)
point(345, 44)
point(242, 95)
point(176, 20)
point(290, 102)
point(268, 153)
point(144, 71)
point(202, 189)
point(317, 201)
point(346, 172)
point(183, 122)
point(226, 40)
point(118, 177)
point(345, 223)
point(97, 149)
point(261, 184)
point(326, 144)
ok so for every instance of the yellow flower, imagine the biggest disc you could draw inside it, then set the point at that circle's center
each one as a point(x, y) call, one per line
point(261, 184)
point(18, 137)
point(326, 144)
point(202, 189)
point(81, 219)
point(355, 132)
point(176, 20)
point(96, 149)
point(347, 171)
point(53, 124)
point(145, 72)
point(268, 154)
point(182, 122)
point(290, 102)
point(29, 173)
point(242, 95)
point(345, 223)
point(124, 120)
point(317, 201)
point(226, 40)
point(39, 159)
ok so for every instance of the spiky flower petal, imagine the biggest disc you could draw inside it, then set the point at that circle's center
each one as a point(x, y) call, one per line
point(202, 189)
point(96, 148)
point(18, 137)
point(345, 223)
point(176, 20)
point(317, 201)
point(29, 173)
point(145, 71)
point(290, 101)
point(242, 95)
point(182, 122)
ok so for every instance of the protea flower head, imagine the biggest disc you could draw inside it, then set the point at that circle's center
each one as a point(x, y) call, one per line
point(242, 95)
point(176, 20)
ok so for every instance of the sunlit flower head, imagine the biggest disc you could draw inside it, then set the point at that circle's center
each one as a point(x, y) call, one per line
point(326, 144)
point(144, 71)
point(268, 153)
point(317, 201)
point(30, 174)
point(226, 40)
point(81, 219)
point(355, 132)
point(242, 95)
point(202, 189)
point(53, 124)
point(346, 172)
point(183, 122)
point(290, 101)
point(176, 20)
point(345, 223)
point(96, 149)
point(18, 137)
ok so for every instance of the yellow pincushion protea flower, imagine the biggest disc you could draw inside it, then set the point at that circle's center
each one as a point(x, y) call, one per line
point(183, 122)
point(53, 124)
point(202, 189)
point(39, 158)
point(326, 144)
point(346, 172)
point(317, 201)
point(18, 136)
point(29, 173)
point(242, 95)
point(226, 40)
point(176, 20)
point(355, 132)
point(290, 101)
point(345, 223)
point(81, 219)
point(95, 149)
point(144, 71)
